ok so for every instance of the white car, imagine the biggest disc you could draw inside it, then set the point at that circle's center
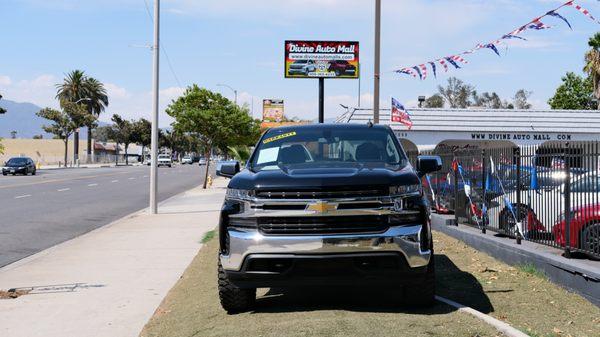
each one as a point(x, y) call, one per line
point(164, 160)
point(187, 160)
point(202, 161)
point(547, 205)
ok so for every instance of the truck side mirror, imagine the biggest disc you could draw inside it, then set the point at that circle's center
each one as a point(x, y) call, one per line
point(228, 170)
point(428, 164)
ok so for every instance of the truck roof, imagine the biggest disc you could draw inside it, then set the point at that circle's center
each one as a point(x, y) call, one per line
point(330, 126)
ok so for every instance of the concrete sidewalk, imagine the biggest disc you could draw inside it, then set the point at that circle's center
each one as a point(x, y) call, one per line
point(109, 282)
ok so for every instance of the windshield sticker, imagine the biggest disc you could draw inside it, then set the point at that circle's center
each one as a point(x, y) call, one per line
point(278, 137)
point(267, 155)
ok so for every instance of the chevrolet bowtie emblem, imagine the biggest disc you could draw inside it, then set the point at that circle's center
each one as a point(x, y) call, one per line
point(321, 207)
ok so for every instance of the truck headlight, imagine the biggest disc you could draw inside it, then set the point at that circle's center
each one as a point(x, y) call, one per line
point(237, 194)
point(405, 190)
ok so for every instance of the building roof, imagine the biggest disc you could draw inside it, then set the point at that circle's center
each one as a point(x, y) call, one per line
point(487, 120)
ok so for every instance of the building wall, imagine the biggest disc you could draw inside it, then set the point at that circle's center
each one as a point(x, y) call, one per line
point(43, 151)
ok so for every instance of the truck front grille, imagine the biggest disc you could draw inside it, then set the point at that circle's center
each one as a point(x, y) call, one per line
point(371, 192)
point(323, 225)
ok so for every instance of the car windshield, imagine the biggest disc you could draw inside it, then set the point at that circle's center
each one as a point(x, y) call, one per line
point(17, 161)
point(327, 147)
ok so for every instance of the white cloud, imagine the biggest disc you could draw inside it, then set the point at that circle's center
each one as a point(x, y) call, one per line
point(5, 81)
point(115, 91)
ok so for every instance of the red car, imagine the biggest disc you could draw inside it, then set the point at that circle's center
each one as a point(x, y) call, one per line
point(584, 229)
point(342, 68)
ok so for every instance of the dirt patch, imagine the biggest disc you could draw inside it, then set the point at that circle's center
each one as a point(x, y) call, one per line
point(521, 296)
point(192, 309)
point(12, 293)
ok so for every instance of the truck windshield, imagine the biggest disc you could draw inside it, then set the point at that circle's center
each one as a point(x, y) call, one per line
point(322, 147)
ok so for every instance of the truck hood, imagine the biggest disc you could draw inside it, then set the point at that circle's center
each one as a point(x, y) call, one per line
point(323, 178)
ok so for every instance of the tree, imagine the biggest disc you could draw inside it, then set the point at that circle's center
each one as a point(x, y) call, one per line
point(1, 147)
point(434, 101)
point(123, 133)
point(13, 134)
point(65, 121)
point(142, 134)
point(240, 152)
point(592, 64)
point(520, 99)
point(2, 110)
point(103, 133)
point(575, 92)
point(38, 136)
point(78, 87)
point(217, 121)
point(457, 93)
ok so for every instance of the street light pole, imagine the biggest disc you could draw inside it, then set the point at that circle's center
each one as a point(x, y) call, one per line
point(230, 88)
point(155, 87)
point(76, 137)
point(377, 61)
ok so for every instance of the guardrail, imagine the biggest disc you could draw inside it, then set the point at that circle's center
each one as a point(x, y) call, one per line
point(548, 194)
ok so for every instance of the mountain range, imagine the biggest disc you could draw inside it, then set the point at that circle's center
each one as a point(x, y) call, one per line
point(22, 118)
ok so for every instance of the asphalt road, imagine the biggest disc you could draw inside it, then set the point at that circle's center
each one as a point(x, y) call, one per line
point(38, 212)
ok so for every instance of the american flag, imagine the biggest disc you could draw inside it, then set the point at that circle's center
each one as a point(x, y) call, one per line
point(538, 25)
point(399, 114)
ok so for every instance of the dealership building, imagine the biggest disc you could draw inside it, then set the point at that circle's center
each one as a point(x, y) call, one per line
point(437, 130)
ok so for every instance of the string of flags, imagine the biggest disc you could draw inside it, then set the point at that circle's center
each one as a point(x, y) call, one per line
point(457, 61)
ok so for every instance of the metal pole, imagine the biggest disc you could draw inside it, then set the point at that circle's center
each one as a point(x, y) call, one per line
point(321, 100)
point(235, 98)
point(359, 84)
point(155, 87)
point(377, 61)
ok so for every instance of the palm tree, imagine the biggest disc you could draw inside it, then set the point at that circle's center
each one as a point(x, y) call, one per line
point(78, 87)
point(592, 64)
point(97, 103)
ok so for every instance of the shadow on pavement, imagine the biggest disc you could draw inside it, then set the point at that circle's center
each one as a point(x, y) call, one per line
point(451, 283)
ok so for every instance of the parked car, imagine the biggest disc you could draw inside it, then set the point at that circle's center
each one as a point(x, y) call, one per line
point(326, 204)
point(545, 204)
point(302, 67)
point(341, 67)
point(202, 161)
point(187, 160)
point(164, 160)
point(19, 165)
point(584, 229)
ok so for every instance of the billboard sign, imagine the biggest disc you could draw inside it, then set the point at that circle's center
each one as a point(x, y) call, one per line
point(273, 110)
point(327, 59)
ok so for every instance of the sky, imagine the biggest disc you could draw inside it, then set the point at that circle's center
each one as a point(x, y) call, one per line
point(240, 43)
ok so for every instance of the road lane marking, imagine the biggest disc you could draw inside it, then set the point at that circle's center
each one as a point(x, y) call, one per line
point(63, 189)
point(114, 181)
point(23, 196)
point(91, 185)
point(145, 177)
point(131, 178)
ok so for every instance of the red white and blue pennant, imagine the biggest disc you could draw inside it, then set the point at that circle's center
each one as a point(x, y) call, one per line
point(457, 61)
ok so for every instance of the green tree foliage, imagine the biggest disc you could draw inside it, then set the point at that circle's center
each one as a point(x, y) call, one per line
point(592, 64)
point(240, 152)
point(2, 111)
point(103, 133)
point(123, 132)
point(1, 147)
point(575, 92)
point(521, 98)
point(435, 101)
point(217, 121)
point(142, 134)
point(77, 86)
point(457, 93)
point(66, 121)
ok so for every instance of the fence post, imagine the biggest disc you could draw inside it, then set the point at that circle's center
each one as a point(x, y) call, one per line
point(567, 201)
point(517, 160)
point(455, 191)
point(483, 185)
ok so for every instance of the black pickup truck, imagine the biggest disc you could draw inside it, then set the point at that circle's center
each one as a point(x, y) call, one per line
point(325, 204)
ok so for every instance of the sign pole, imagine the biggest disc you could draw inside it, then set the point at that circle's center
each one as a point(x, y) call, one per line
point(321, 100)
point(154, 134)
point(377, 61)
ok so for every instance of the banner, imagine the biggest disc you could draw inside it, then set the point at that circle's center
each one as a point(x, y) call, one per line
point(454, 60)
point(273, 110)
point(314, 59)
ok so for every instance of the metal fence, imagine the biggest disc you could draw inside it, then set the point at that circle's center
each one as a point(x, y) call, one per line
point(548, 194)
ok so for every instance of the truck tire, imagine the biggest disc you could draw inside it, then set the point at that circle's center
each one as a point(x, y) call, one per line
point(233, 299)
point(423, 294)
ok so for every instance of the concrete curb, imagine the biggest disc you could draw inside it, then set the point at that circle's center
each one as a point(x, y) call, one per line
point(502, 327)
point(579, 276)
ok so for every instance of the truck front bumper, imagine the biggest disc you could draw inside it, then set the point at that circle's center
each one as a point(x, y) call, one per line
point(257, 260)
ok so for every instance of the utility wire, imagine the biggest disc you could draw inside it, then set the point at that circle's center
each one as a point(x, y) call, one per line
point(163, 48)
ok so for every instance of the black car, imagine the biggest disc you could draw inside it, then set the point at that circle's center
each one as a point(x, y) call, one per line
point(327, 204)
point(19, 165)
